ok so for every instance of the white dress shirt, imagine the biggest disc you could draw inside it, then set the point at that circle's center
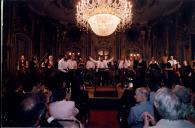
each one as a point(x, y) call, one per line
point(72, 64)
point(101, 64)
point(124, 64)
point(90, 65)
point(63, 65)
point(172, 62)
point(63, 109)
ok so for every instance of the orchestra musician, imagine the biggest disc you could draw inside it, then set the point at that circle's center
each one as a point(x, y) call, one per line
point(81, 63)
point(22, 66)
point(173, 63)
point(153, 73)
point(51, 63)
point(23, 72)
point(34, 68)
point(44, 66)
point(167, 72)
point(140, 69)
point(185, 72)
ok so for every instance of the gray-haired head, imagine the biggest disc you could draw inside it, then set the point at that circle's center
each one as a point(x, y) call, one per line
point(183, 94)
point(141, 94)
point(167, 104)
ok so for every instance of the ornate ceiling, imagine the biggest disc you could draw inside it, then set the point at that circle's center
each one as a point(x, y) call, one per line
point(143, 10)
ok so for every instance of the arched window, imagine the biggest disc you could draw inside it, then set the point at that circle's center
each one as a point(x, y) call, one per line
point(103, 52)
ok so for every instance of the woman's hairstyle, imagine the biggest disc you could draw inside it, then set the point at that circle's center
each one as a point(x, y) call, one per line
point(167, 104)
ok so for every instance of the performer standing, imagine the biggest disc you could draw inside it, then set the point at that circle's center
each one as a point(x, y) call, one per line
point(22, 66)
point(185, 72)
point(102, 66)
point(167, 72)
point(63, 64)
point(34, 68)
point(63, 68)
point(51, 64)
point(90, 74)
point(23, 72)
point(140, 71)
point(173, 62)
point(73, 76)
point(153, 74)
point(72, 64)
point(124, 63)
point(44, 66)
point(123, 69)
point(90, 64)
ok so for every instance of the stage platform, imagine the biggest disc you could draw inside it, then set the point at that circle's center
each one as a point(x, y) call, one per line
point(105, 92)
point(105, 97)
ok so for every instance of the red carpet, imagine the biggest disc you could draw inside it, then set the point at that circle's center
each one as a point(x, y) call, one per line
point(103, 119)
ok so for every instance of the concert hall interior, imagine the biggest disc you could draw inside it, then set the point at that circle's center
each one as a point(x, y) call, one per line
point(98, 63)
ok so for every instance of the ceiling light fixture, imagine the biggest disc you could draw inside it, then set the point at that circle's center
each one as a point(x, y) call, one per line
point(104, 17)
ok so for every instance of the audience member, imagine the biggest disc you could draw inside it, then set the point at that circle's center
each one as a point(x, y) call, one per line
point(62, 109)
point(170, 109)
point(135, 119)
point(184, 96)
point(33, 112)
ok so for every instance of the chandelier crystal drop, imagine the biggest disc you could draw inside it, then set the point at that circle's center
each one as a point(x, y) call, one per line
point(104, 16)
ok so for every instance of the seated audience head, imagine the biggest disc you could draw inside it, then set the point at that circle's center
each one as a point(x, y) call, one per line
point(32, 110)
point(141, 94)
point(167, 104)
point(184, 97)
point(183, 94)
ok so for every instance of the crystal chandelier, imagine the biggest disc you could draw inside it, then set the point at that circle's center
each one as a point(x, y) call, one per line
point(104, 16)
